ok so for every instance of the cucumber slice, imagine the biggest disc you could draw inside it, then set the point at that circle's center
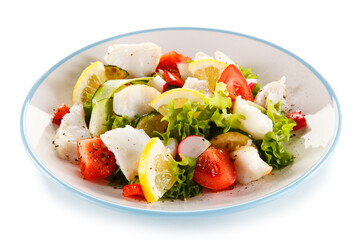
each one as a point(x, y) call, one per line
point(108, 88)
point(102, 102)
point(152, 122)
point(114, 72)
point(98, 117)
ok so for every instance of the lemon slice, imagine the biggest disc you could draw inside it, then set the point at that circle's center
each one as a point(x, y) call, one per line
point(207, 69)
point(180, 97)
point(154, 170)
point(90, 79)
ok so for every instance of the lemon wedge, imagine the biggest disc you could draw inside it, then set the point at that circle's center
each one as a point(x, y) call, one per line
point(90, 79)
point(180, 97)
point(154, 170)
point(207, 69)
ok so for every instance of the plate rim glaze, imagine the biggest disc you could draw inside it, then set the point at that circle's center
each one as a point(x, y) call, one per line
point(245, 205)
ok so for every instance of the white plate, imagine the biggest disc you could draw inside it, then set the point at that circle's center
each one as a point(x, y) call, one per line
point(307, 90)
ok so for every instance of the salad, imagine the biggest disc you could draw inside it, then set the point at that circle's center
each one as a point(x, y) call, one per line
point(167, 126)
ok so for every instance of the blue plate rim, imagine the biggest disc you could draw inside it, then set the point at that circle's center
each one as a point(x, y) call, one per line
point(242, 206)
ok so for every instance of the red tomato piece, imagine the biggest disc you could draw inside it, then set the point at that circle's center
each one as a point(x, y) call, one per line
point(236, 83)
point(169, 62)
point(214, 169)
point(60, 113)
point(133, 191)
point(299, 118)
point(95, 159)
point(173, 79)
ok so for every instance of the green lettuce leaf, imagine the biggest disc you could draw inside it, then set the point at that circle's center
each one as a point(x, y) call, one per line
point(247, 72)
point(220, 98)
point(199, 118)
point(255, 90)
point(113, 121)
point(117, 178)
point(272, 148)
point(87, 106)
point(184, 186)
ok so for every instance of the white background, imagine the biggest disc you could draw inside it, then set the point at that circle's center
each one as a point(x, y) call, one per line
point(35, 35)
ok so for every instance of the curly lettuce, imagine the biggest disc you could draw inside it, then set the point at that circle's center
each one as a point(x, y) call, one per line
point(184, 186)
point(117, 178)
point(255, 90)
point(272, 147)
point(87, 106)
point(113, 121)
point(247, 72)
point(199, 118)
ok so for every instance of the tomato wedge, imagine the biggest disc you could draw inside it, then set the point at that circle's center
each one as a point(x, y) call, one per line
point(236, 83)
point(173, 79)
point(214, 169)
point(133, 191)
point(60, 113)
point(299, 118)
point(169, 62)
point(95, 159)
